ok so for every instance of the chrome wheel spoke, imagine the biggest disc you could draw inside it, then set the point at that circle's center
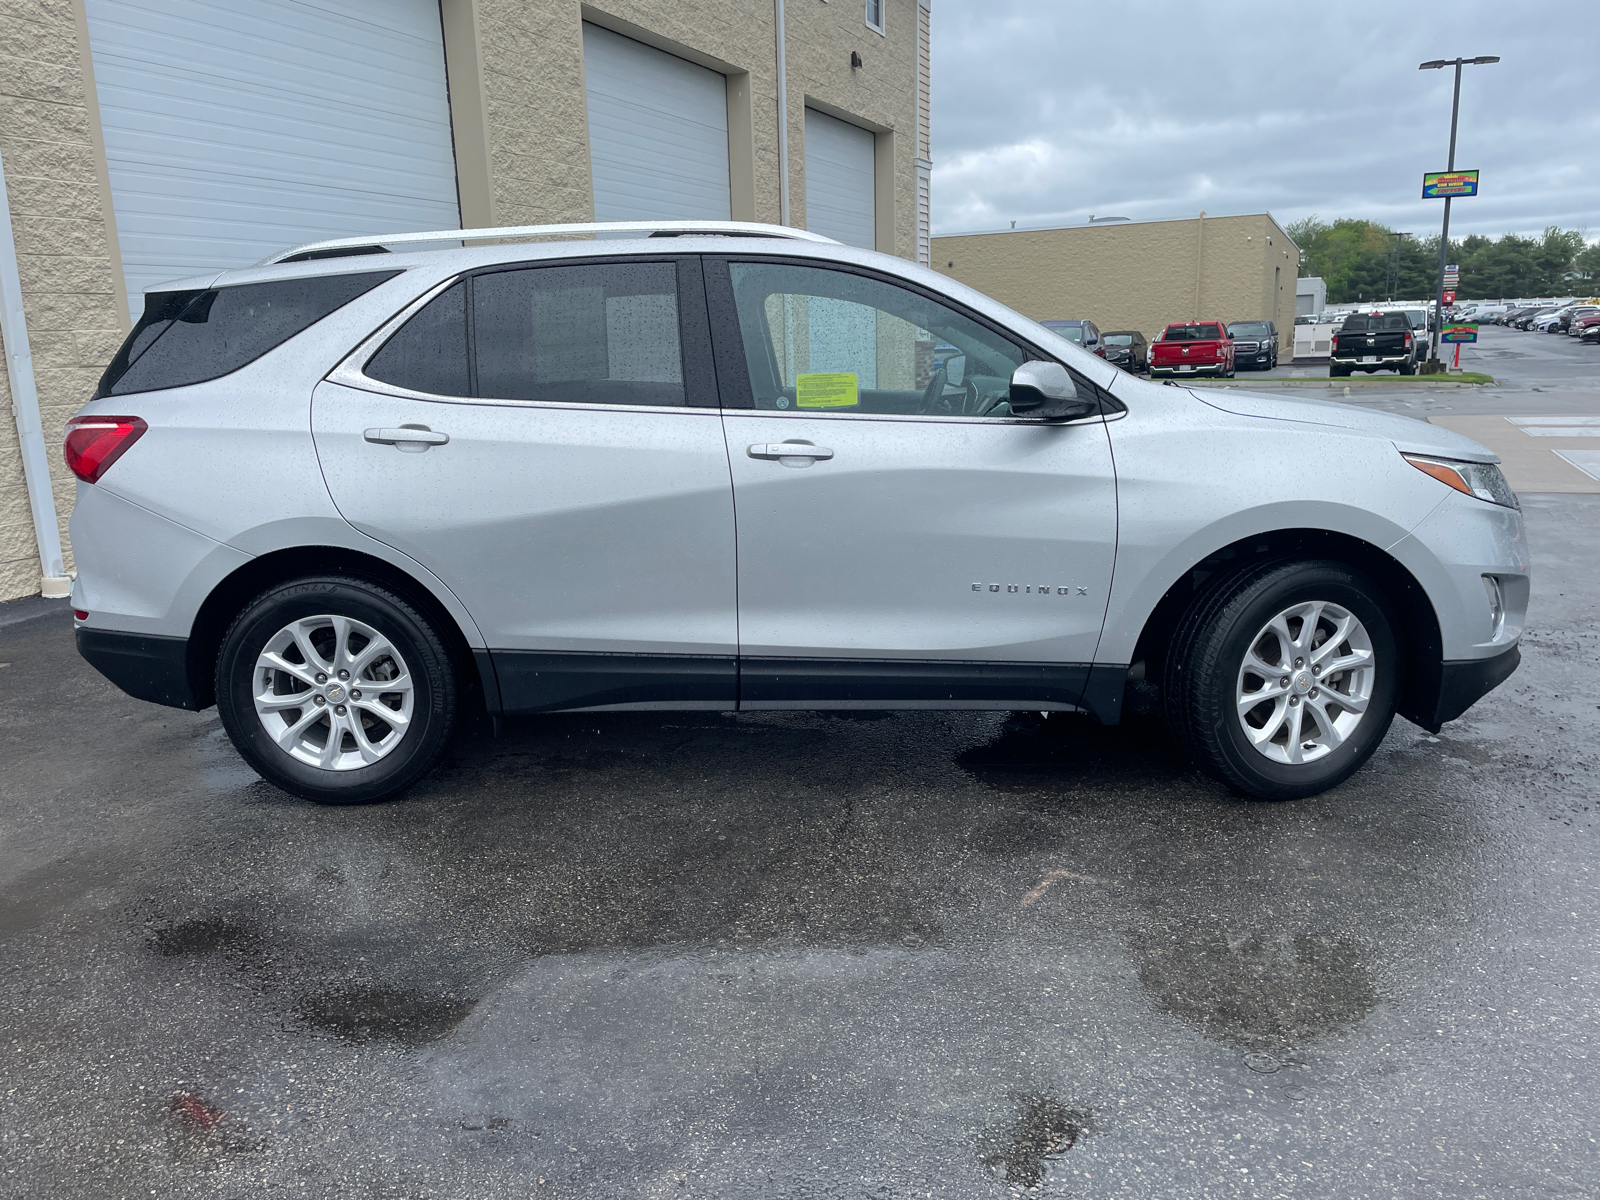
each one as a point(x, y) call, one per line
point(1292, 745)
point(1327, 729)
point(289, 736)
point(277, 662)
point(1259, 737)
point(1249, 700)
point(270, 701)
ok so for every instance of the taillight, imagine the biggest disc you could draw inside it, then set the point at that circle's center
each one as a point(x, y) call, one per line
point(1408, 341)
point(94, 443)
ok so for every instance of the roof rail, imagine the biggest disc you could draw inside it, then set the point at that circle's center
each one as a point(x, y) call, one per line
point(375, 243)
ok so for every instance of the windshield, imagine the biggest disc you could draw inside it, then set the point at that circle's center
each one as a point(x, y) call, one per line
point(1254, 329)
point(1192, 333)
point(1119, 339)
point(1376, 322)
point(1073, 333)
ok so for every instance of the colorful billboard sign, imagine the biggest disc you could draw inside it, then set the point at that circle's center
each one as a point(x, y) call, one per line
point(1449, 297)
point(1438, 185)
point(1455, 331)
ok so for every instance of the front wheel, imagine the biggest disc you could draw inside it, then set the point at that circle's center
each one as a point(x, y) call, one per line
point(1283, 684)
point(337, 690)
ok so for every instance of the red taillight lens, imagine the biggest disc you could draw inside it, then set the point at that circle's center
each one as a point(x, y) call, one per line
point(94, 443)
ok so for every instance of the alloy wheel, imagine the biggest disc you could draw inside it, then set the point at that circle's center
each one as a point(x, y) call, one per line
point(333, 692)
point(1306, 681)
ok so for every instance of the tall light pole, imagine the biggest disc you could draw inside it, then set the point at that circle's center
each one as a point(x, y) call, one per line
point(1444, 237)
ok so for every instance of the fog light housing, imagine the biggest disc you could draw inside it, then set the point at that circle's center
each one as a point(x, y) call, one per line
point(1497, 606)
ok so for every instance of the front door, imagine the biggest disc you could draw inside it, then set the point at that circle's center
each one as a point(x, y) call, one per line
point(903, 539)
point(546, 441)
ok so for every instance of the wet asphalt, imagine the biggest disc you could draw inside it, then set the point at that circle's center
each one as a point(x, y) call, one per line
point(800, 955)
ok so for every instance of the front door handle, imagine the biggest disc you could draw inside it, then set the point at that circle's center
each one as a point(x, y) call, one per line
point(413, 439)
point(782, 450)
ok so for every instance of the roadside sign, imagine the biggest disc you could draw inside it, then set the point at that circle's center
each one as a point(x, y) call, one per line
point(1438, 185)
point(1460, 331)
point(1449, 297)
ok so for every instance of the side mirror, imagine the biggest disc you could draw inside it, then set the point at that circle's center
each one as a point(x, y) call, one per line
point(955, 370)
point(1044, 391)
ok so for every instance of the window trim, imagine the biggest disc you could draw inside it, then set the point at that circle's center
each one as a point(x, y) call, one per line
point(881, 28)
point(733, 375)
point(694, 339)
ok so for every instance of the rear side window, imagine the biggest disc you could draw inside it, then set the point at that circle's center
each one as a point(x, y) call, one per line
point(190, 337)
point(603, 333)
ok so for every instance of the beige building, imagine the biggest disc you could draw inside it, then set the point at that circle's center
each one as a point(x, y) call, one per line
point(143, 142)
point(1140, 275)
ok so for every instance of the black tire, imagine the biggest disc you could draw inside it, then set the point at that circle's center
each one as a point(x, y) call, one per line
point(1199, 688)
point(426, 658)
point(1338, 372)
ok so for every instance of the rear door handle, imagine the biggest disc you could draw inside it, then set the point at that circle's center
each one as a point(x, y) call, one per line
point(788, 450)
point(411, 438)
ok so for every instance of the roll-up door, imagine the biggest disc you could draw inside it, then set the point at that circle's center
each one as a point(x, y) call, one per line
point(658, 132)
point(841, 180)
point(234, 130)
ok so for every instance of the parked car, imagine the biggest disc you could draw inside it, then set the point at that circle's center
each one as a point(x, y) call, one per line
point(1526, 320)
point(1588, 328)
point(1255, 344)
point(1127, 348)
point(1561, 320)
point(314, 493)
point(1084, 333)
point(1376, 341)
point(1192, 348)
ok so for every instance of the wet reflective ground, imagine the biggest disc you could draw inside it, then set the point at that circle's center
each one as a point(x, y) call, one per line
point(795, 955)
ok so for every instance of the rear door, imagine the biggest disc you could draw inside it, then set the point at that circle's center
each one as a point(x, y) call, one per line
point(562, 468)
point(903, 540)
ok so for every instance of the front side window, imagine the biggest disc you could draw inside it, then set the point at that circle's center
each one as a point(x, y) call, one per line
point(821, 341)
point(875, 14)
point(595, 333)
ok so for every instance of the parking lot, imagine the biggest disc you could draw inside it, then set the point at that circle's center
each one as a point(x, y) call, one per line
point(805, 955)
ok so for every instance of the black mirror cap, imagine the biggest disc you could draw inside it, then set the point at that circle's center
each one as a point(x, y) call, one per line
point(1028, 401)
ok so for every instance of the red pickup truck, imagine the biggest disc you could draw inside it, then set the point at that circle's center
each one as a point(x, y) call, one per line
point(1192, 348)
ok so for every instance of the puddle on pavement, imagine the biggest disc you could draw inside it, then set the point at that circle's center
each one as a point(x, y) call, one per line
point(1254, 992)
point(202, 936)
point(1021, 1150)
point(371, 1014)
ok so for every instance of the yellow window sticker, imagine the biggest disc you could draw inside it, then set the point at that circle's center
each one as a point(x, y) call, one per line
point(837, 390)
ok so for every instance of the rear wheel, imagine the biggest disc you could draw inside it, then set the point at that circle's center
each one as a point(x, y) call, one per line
point(336, 690)
point(1283, 683)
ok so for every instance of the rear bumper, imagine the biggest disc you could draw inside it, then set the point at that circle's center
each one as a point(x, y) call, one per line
point(146, 666)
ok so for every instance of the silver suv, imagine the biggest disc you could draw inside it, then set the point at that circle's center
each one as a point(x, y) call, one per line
point(360, 489)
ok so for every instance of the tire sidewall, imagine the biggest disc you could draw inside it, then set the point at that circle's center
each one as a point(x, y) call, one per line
point(433, 701)
point(1250, 768)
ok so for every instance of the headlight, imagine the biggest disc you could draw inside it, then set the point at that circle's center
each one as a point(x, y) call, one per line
point(1482, 480)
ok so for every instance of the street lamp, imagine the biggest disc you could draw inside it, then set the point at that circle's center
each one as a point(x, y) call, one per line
point(1444, 236)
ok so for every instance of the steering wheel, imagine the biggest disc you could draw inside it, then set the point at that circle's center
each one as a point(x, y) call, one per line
point(933, 396)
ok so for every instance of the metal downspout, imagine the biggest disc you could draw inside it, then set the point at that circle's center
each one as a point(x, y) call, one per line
point(25, 407)
point(783, 118)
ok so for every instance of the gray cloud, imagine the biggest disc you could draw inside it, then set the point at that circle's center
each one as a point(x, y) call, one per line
point(1053, 112)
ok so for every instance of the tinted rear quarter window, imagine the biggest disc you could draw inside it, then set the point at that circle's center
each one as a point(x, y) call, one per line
point(195, 336)
point(429, 352)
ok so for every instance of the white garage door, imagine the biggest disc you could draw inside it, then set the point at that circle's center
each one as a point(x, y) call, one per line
point(658, 132)
point(234, 130)
point(841, 182)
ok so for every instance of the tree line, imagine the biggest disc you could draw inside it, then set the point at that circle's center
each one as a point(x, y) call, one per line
point(1362, 260)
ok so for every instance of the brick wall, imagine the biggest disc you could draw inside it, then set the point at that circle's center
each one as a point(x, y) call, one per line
point(70, 282)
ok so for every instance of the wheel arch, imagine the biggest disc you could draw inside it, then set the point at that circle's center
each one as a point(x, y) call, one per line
point(235, 590)
point(1417, 623)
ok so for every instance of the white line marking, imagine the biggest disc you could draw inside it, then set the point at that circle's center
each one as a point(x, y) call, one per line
point(1587, 461)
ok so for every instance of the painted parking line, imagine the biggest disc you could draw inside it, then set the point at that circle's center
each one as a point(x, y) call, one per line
point(1587, 461)
point(1538, 453)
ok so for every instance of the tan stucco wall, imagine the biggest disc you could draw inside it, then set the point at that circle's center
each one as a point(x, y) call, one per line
point(536, 124)
point(1141, 276)
point(71, 281)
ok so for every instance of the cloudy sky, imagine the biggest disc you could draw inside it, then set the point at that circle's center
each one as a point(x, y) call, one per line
point(1050, 111)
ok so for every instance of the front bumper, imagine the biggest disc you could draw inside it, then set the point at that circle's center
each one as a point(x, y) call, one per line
point(1463, 684)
